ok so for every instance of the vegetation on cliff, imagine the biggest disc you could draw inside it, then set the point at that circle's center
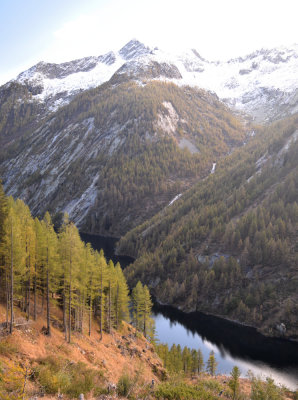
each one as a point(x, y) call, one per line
point(228, 245)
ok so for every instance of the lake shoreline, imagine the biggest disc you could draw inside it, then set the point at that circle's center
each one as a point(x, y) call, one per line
point(221, 317)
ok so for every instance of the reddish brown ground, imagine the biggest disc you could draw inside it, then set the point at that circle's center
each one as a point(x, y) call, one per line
point(118, 353)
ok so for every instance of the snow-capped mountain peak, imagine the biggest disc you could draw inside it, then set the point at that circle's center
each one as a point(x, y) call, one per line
point(255, 84)
point(134, 49)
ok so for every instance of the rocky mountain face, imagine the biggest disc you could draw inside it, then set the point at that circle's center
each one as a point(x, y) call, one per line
point(127, 140)
point(262, 84)
point(228, 245)
point(113, 138)
point(117, 153)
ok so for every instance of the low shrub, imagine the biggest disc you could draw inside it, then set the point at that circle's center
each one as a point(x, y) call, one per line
point(182, 391)
point(124, 385)
point(55, 374)
point(7, 348)
point(265, 390)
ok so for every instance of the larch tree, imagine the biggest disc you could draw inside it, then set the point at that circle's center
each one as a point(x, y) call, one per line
point(234, 382)
point(211, 364)
point(51, 262)
point(110, 315)
point(101, 265)
point(90, 266)
point(121, 296)
point(57, 268)
point(137, 294)
point(3, 212)
point(200, 361)
point(39, 267)
point(146, 307)
point(15, 257)
point(74, 255)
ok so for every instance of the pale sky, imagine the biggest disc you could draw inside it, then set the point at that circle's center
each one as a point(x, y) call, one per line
point(63, 30)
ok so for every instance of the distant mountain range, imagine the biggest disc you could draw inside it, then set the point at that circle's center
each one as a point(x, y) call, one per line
point(112, 139)
point(262, 84)
point(193, 163)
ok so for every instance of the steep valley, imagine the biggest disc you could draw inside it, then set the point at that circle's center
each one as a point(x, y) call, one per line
point(125, 143)
point(228, 246)
point(118, 154)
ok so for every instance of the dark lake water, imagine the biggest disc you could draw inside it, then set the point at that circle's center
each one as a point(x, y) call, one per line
point(232, 343)
point(108, 245)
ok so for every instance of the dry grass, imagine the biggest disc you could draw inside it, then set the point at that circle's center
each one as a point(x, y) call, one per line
point(110, 357)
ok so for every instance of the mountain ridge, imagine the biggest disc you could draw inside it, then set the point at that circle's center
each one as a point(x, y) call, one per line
point(228, 245)
point(163, 137)
point(245, 83)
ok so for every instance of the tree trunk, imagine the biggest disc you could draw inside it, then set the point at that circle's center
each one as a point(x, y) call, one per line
point(101, 305)
point(90, 306)
point(82, 316)
point(64, 309)
point(109, 318)
point(69, 305)
point(11, 280)
point(29, 284)
point(145, 324)
point(117, 300)
point(35, 284)
point(48, 296)
point(7, 298)
point(90, 313)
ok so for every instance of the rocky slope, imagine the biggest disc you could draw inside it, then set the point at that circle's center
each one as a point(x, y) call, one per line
point(116, 154)
point(228, 246)
point(112, 139)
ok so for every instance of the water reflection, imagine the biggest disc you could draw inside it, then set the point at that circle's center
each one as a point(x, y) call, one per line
point(231, 343)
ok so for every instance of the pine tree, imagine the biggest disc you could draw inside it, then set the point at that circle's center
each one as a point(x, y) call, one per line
point(110, 290)
point(3, 212)
point(211, 364)
point(102, 276)
point(15, 256)
point(146, 306)
point(121, 300)
point(60, 268)
point(50, 248)
point(91, 281)
point(137, 294)
point(200, 361)
point(234, 382)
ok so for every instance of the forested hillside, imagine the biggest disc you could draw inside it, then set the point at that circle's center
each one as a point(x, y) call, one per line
point(228, 246)
point(41, 269)
point(117, 154)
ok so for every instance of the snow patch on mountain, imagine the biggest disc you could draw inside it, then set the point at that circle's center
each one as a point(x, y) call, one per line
point(255, 84)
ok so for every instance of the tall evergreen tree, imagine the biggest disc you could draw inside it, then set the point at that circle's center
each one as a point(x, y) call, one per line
point(234, 382)
point(146, 306)
point(137, 294)
point(50, 259)
point(211, 364)
point(200, 361)
point(121, 298)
